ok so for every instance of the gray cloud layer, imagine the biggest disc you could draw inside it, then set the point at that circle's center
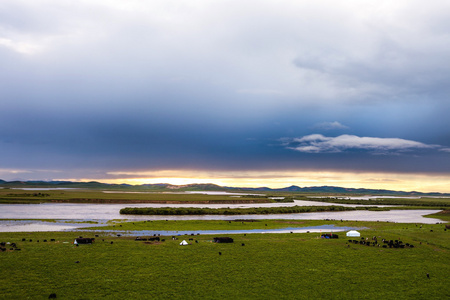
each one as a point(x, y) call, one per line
point(101, 86)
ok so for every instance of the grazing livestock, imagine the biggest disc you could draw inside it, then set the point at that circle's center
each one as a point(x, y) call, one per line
point(329, 236)
point(147, 239)
point(220, 253)
point(52, 296)
point(84, 240)
point(223, 240)
point(388, 243)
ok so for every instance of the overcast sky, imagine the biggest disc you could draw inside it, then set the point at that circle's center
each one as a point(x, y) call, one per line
point(132, 89)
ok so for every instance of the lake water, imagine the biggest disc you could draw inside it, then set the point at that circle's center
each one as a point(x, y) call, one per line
point(103, 212)
point(92, 211)
point(310, 229)
point(111, 211)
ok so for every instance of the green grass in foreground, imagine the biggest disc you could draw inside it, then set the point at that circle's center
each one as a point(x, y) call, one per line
point(285, 266)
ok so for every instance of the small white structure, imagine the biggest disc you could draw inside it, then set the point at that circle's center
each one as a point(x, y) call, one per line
point(183, 243)
point(353, 233)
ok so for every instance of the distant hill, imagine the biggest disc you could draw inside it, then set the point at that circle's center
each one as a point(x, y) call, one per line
point(166, 187)
point(340, 190)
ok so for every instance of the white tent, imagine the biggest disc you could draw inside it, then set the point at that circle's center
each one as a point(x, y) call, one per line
point(183, 243)
point(353, 233)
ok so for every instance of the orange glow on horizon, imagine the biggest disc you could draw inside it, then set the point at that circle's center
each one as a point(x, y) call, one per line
point(280, 179)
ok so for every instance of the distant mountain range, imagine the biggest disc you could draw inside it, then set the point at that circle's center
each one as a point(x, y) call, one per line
point(161, 187)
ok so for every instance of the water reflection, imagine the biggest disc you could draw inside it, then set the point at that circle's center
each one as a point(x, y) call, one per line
point(311, 229)
point(103, 212)
point(111, 211)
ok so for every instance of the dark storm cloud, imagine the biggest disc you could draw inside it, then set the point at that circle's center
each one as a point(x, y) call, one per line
point(107, 85)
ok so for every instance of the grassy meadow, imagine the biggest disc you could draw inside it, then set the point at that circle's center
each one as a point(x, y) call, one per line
point(12, 196)
point(268, 266)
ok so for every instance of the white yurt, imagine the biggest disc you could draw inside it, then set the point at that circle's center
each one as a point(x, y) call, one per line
point(353, 233)
point(183, 243)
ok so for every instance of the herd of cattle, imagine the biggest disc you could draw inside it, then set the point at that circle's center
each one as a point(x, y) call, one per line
point(4, 246)
point(384, 243)
point(11, 246)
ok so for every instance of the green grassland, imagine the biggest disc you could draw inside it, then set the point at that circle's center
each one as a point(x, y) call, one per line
point(284, 266)
point(422, 201)
point(13, 196)
point(193, 225)
point(443, 215)
point(10, 196)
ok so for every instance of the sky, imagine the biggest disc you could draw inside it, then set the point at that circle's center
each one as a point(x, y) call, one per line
point(241, 93)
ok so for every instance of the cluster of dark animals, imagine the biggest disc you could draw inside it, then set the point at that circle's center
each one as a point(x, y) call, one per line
point(82, 240)
point(147, 238)
point(223, 240)
point(385, 243)
point(12, 246)
point(329, 236)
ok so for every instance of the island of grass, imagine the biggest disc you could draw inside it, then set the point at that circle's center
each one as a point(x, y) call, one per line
point(236, 211)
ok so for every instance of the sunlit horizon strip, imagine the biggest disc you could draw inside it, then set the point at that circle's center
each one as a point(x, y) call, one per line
point(253, 179)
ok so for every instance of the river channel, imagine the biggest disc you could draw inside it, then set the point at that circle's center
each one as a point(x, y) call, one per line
point(72, 215)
